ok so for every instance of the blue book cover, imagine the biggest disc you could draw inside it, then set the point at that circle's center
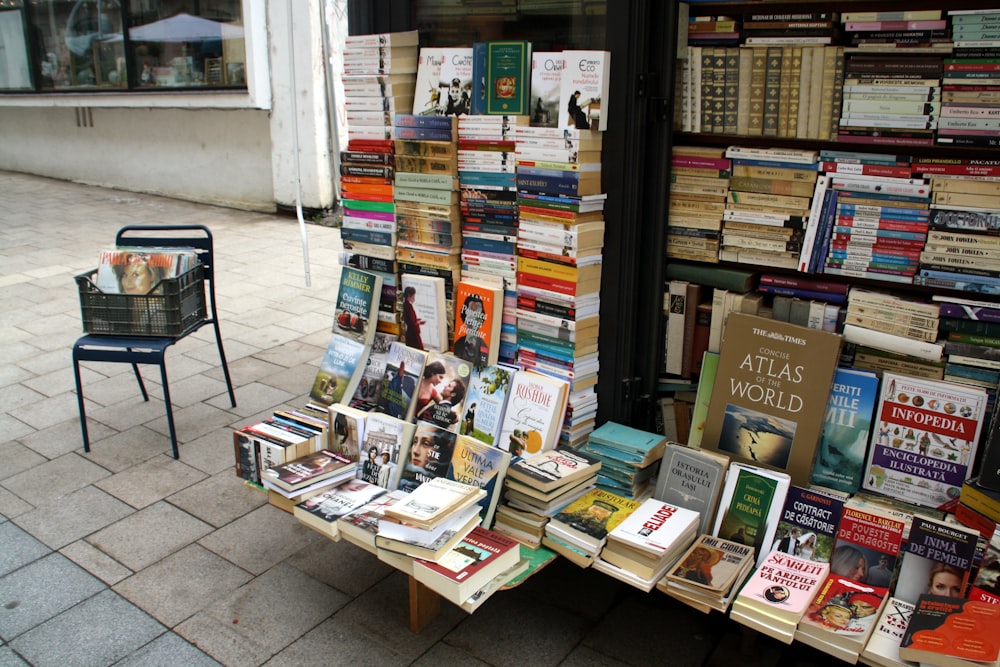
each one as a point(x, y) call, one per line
point(627, 438)
point(555, 185)
point(426, 122)
point(423, 134)
point(802, 293)
point(357, 301)
point(478, 101)
point(498, 246)
point(339, 371)
point(483, 411)
point(840, 457)
point(493, 179)
point(478, 464)
point(368, 236)
point(404, 367)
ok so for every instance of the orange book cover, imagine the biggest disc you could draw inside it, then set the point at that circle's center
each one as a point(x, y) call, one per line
point(478, 311)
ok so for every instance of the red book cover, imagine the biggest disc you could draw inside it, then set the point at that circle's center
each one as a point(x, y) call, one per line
point(943, 628)
point(863, 538)
point(478, 311)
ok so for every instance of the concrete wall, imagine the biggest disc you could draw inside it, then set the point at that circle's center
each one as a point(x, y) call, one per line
point(216, 156)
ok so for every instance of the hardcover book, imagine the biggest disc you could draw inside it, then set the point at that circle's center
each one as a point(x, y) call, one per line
point(424, 312)
point(924, 442)
point(750, 505)
point(554, 469)
point(483, 411)
point(478, 317)
point(546, 81)
point(442, 390)
point(321, 512)
point(536, 408)
point(478, 464)
point(403, 369)
point(477, 559)
point(693, 479)
point(769, 407)
point(808, 524)
point(938, 559)
point(508, 77)
point(357, 303)
point(840, 459)
point(340, 371)
point(952, 632)
point(882, 649)
point(778, 593)
point(586, 78)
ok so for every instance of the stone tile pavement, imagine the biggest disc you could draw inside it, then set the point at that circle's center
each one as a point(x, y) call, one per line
point(125, 556)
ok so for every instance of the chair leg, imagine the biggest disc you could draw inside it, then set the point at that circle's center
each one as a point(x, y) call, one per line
point(79, 400)
point(142, 386)
point(225, 365)
point(169, 407)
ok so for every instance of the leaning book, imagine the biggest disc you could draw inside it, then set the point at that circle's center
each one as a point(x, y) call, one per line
point(882, 649)
point(483, 410)
point(840, 459)
point(340, 371)
point(693, 479)
point(924, 442)
point(769, 404)
point(357, 303)
point(952, 632)
point(750, 506)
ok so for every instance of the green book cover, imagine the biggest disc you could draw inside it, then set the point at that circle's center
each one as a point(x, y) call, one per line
point(750, 506)
point(508, 77)
point(709, 366)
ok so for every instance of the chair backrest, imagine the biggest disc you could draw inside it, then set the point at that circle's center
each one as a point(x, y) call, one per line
point(198, 237)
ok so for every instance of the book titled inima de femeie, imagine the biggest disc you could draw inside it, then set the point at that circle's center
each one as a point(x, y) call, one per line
point(840, 459)
point(937, 558)
point(357, 302)
point(952, 632)
point(778, 593)
point(924, 440)
point(769, 407)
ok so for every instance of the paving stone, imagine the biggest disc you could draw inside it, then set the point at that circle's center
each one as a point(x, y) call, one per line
point(11, 506)
point(65, 437)
point(168, 650)
point(261, 539)
point(152, 533)
point(17, 458)
point(210, 453)
point(13, 428)
point(10, 659)
point(95, 561)
point(131, 447)
point(219, 499)
point(341, 565)
point(19, 548)
point(355, 649)
point(192, 421)
point(54, 479)
point(97, 632)
point(76, 515)
point(150, 481)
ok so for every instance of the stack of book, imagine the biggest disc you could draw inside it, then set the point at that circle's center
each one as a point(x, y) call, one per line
point(287, 435)
point(379, 75)
point(629, 458)
point(899, 99)
point(322, 511)
point(537, 487)
point(950, 631)
point(886, 322)
point(488, 184)
point(961, 248)
point(699, 184)
point(971, 80)
point(709, 574)
point(426, 523)
point(971, 330)
point(305, 474)
point(580, 530)
point(769, 199)
point(884, 30)
point(642, 547)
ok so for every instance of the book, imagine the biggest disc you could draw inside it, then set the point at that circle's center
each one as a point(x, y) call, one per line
point(400, 538)
point(508, 77)
point(434, 502)
point(924, 441)
point(386, 441)
point(546, 78)
point(306, 470)
point(357, 302)
point(840, 458)
point(841, 617)
point(712, 564)
point(769, 410)
point(808, 524)
point(693, 479)
point(777, 594)
point(139, 270)
point(477, 464)
point(937, 558)
point(554, 469)
point(750, 506)
point(361, 526)
point(427, 457)
point(370, 385)
point(651, 538)
point(478, 316)
point(442, 390)
point(456, 82)
point(583, 96)
point(533, 418)
point(868, 544)
point(340, 371)
point(322, 511)
point(403, 368)
point(627, 443)
point(882, 648)
point(469, 566)
point(346, 434)
point(486, 400)
point(427, 94)
point(586, 521)
point(424, 311)
point(498, 582)
point(952, 632)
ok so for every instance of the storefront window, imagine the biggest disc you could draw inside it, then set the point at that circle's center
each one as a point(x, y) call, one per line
point(128, 44)
point(15, 71)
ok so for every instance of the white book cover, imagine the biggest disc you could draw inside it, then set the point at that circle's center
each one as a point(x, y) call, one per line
point(456, 82)
point(657, 527)
point(427, 96)
point(546, 82)
point(536, 408)
point(583, 96)
point(424, 312)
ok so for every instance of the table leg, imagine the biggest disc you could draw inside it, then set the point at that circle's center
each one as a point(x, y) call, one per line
point(425, 605)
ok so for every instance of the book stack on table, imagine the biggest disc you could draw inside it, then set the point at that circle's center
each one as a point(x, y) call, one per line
point(709, 574)
point(540, 486)
point(629, 458)
point(580, 530)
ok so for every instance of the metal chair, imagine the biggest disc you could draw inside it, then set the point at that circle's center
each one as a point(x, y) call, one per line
point(152, 349)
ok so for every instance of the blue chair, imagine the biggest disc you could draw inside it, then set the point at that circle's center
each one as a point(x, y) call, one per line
point(140, 349)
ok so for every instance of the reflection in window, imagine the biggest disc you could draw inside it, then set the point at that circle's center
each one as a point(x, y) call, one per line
point(83, 44)
point(14, 70)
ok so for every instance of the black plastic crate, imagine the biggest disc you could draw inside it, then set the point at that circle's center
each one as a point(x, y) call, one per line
point(170, 309)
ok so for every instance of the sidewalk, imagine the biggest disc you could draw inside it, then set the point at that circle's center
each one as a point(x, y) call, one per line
point(126, 556)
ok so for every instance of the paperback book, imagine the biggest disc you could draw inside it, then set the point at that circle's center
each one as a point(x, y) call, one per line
point(424, 312)
point(554, 469)
point(483, 411)
point(533, 418)
point(322, 511)
point(952, 632)
point(712, 566)
point(840, 459)
point(476, 560)
point(770, 405)
point(442, 391)
point(387, 439)
point(693, 479)
point(750, 506)
point(340, 371)
point(882, 648)
point(434, 502)
point(925, 438)
point(357, 302)
point(403, 369)
point(477, 464)
point(938, 558)
point(478, 317)
point(841, 617)
point(427, 457)
point(586, 77)
point(808, 524)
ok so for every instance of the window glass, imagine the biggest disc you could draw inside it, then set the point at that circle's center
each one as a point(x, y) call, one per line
point(79, 43)
point(15, 72)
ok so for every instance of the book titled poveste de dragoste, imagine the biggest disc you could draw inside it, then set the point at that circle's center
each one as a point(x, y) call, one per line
point(769, 407)
point(924, 439)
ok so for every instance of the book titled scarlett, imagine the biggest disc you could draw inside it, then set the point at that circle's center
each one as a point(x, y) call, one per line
point(924, 441)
